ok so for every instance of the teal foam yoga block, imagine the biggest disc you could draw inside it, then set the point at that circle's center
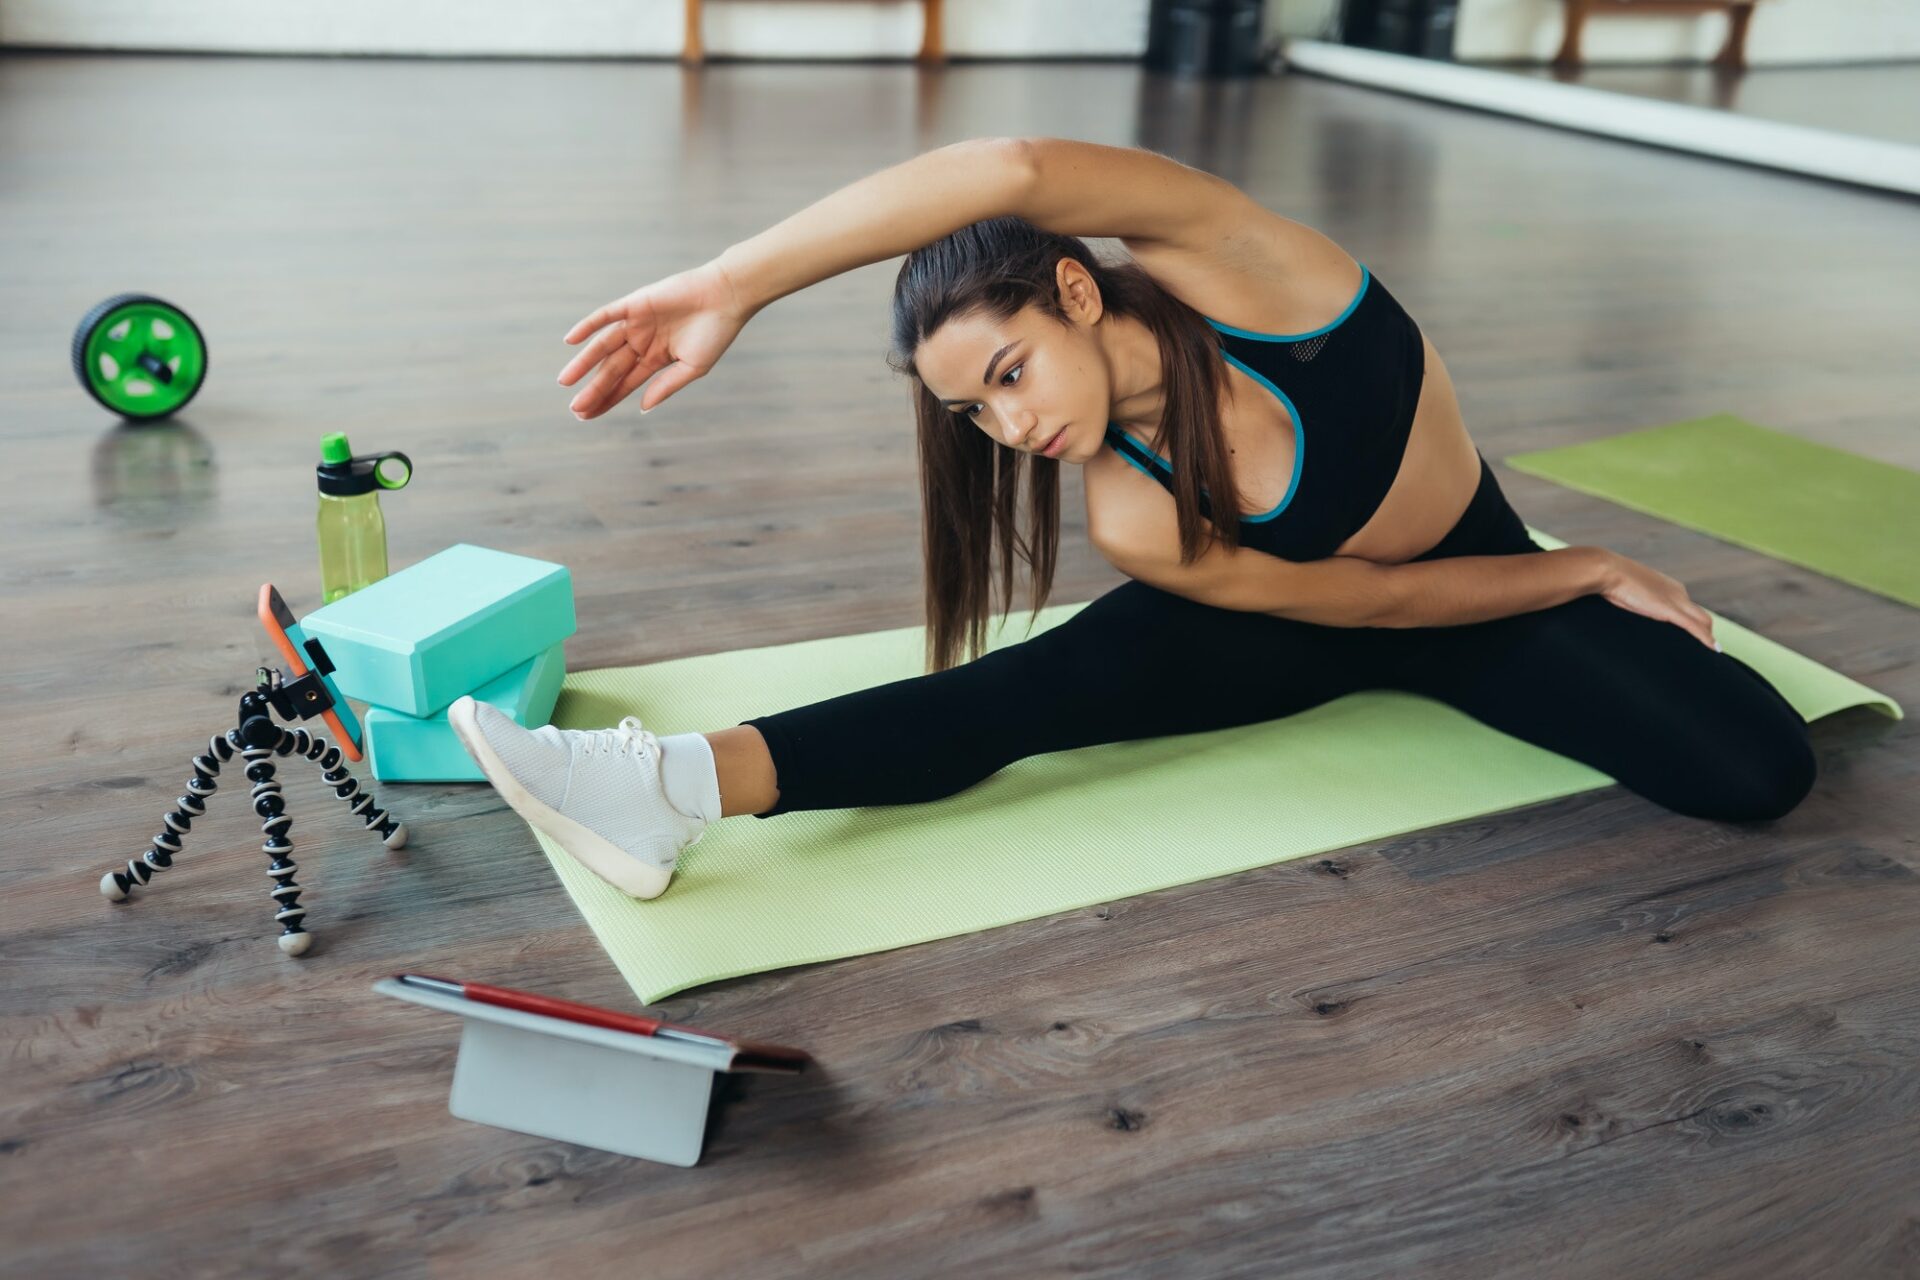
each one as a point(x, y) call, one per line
point(404, 748)
point(418, 639)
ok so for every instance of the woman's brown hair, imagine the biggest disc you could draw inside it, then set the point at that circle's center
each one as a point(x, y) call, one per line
point(969, 484)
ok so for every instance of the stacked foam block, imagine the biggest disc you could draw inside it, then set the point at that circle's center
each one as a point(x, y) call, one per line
point(468, 620)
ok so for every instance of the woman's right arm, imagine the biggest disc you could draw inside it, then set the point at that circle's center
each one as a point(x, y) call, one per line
point(1347, 591)
point(1463, 589)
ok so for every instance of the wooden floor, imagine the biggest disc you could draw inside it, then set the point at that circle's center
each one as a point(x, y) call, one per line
point(1584, 1039)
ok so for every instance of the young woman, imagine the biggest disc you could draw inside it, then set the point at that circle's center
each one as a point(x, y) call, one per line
point(1272, 453)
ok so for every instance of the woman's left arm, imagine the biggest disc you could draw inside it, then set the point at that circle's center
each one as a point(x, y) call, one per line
point(1087, 189)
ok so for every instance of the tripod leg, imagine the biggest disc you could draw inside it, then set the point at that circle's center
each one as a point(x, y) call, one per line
point(118, 885)
point(275, 823)
point(393, 832)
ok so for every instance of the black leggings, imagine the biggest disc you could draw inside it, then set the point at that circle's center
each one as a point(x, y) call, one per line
point(1641, 700)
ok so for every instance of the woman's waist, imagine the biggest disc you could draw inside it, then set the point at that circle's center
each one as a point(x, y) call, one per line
point(1488, 527)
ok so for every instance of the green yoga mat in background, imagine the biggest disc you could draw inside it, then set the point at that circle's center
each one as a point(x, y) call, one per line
point(1054, 832)
point(1825, 509)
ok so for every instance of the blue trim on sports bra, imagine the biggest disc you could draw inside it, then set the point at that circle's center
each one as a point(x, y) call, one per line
point(1299, 425)
point(1366, 277)
point(1299, 442)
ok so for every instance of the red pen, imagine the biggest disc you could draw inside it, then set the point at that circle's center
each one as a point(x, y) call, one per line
point(742, 1055)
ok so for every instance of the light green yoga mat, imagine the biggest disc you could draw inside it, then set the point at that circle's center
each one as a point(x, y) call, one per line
point(1054, 832)
point(1825, 509)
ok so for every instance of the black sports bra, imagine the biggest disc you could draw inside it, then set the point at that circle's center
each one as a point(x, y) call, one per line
point(1357, 382)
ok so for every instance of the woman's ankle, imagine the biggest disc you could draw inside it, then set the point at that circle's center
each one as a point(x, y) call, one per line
point(748, 781)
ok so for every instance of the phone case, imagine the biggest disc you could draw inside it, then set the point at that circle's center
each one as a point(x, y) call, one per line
point(291, 641)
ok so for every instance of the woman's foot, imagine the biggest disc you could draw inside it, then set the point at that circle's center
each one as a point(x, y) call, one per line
point(597, 793)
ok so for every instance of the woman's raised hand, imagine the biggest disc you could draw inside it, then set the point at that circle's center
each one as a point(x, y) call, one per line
point(676, 327)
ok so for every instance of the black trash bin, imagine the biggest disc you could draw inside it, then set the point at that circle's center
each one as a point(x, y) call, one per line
point(1423, 28)
point(1204, 37)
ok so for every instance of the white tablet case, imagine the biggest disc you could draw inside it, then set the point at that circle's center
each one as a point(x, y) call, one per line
point(612, 1090)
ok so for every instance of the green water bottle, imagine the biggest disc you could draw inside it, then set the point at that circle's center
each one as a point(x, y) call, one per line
point(353, 534)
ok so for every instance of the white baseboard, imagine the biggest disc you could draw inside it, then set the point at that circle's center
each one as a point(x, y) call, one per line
point(1822, 153)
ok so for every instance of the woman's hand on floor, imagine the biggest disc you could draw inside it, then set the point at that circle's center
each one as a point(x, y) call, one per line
point(677, 327)
point(1635, 587)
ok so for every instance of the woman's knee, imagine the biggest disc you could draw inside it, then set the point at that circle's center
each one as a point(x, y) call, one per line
point(1694, 731)
point(1758, 779)
point(1784, 779)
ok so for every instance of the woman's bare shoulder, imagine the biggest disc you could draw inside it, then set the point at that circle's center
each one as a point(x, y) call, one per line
point(1123, 503)
point(1267, 273)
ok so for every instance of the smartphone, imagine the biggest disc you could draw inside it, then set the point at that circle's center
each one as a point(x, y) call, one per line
point(291, 642)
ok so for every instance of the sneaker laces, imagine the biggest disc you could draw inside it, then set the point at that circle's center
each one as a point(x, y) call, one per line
point(627, 737)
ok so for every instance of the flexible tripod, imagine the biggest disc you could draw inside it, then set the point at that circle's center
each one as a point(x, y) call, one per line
point(257, 739)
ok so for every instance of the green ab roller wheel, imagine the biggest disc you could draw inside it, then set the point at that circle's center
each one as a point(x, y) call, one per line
point(140, 356)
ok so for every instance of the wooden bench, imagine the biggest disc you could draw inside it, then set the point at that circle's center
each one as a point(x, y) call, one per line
point(1732, 56)
point(694, 52)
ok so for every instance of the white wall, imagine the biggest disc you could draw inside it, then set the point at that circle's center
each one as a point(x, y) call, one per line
point(1307, 19)
point(1783, 32)
point(612, 28)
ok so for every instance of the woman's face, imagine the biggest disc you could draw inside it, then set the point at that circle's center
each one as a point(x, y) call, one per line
point(1027, 381)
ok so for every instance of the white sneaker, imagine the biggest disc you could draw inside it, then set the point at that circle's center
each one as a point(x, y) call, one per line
point(597, 793)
